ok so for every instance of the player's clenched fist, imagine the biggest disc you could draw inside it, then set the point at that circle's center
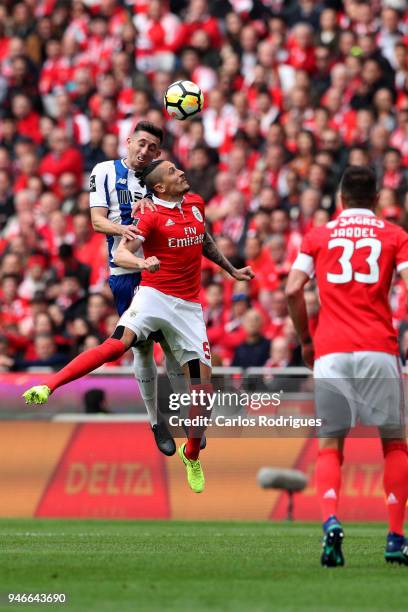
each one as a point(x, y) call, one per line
point(152, 264)
point(244, 274)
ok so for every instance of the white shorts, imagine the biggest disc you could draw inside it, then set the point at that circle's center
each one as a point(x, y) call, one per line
point(180, 321)
point(364, 386)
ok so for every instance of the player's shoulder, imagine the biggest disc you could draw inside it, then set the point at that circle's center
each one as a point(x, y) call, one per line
point(315, 239)
point(394, 235)
point(193, 200)
point(148, 217)
point(316, 233)
point(104, 167)
point(393, 228)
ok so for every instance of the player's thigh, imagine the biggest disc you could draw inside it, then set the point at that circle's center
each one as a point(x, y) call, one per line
point(380, 395)
point(334, 393)
point(147, 313)
point(187, 336)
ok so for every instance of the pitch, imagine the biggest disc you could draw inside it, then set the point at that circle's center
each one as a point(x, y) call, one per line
point(148, 566)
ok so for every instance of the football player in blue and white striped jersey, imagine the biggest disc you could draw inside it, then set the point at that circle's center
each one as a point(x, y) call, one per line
point(114, 189)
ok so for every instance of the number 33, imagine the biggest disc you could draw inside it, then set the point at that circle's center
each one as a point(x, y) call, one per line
point(349, 247)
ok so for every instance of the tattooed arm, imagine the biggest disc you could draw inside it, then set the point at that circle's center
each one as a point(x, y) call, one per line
point(212, 252)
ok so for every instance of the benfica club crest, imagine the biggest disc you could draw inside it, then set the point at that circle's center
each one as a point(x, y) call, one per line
point(197, 214)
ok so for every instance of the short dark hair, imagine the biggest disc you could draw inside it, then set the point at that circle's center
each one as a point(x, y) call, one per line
point(393, 150)
point(147, 126)
point(359, 187)
point(147, 177)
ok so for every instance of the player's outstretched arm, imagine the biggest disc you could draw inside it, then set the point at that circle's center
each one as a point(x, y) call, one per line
point(101, 224)
point(125, 258)
point(212, 252)
point(297, 310)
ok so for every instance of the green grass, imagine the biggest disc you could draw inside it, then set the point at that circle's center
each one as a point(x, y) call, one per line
point(185, 566)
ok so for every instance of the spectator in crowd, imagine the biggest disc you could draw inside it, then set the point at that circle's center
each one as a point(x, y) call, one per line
point(201, 172)
point(254, 352)
point(92, 151)
point(6, 198)
point(46, 355)
point(63, 157)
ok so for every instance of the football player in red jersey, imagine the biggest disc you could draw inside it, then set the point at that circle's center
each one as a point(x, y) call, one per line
point(174, 239)
point(354, 349)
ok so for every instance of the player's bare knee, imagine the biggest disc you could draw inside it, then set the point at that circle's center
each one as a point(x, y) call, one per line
point(145, 347)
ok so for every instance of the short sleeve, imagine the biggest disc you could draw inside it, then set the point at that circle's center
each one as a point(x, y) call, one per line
point(401, 259)
point(145, 224)
point(305, 259)
point(98, 186)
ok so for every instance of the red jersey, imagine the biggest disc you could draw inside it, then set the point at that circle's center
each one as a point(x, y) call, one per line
point(354, 258)
point(174, 234)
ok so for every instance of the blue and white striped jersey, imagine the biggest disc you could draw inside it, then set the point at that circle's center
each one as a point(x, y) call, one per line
point(114, 186)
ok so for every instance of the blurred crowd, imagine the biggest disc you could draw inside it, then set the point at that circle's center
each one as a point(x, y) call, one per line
point(294, 92)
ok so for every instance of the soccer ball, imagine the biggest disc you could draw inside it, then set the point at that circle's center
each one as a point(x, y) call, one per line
point(183, 99)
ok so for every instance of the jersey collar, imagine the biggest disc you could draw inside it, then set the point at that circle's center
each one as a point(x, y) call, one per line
point(350, 212)
point(167, 204)
point(124, 164)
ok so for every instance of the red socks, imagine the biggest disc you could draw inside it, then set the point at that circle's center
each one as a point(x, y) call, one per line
point(396, 483)
point(192, 449)
point(328, 480)
point(86, 362)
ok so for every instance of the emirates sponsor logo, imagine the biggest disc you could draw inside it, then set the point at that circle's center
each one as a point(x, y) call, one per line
point(177, 243)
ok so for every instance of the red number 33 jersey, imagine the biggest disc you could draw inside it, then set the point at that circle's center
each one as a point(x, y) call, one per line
point(354, 259)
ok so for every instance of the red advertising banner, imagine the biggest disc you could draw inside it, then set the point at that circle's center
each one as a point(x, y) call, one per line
point(114, 470)
point(108, 472)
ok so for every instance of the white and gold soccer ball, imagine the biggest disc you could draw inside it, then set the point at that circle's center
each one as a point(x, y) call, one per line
point(183, 99)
